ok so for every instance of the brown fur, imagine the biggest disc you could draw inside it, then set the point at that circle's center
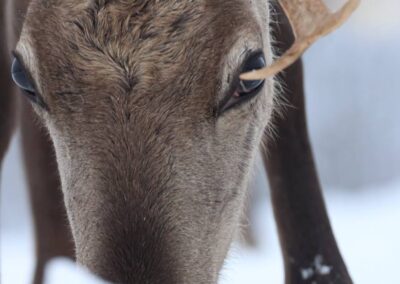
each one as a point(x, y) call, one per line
point(52, 232)
point(153, 176)
point(143, 155)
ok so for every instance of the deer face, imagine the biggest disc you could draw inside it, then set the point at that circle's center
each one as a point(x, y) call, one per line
point(154, 132)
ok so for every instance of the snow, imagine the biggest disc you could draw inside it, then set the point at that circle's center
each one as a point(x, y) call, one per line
point(62, 270)
point(307, 273)
point(322, 269)
point(317, 268)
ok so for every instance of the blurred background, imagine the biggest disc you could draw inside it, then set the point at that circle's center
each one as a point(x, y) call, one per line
point(353, 101)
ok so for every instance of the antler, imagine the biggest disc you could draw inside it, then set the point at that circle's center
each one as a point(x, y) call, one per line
point(310, 20)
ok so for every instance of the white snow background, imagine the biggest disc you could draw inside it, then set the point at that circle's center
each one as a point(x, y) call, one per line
point(353, 101)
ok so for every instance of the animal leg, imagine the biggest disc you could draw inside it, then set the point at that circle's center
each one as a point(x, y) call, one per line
point(7, 98)
point(309, 248)
point(52, 232)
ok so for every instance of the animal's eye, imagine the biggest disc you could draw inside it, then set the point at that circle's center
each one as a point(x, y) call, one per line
point(246, 90)
point(257, 61)
point(22, 79)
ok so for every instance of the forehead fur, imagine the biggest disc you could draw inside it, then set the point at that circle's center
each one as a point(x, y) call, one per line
point(130, 42)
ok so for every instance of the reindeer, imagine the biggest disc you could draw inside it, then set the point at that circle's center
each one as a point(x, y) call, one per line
point(151, 129)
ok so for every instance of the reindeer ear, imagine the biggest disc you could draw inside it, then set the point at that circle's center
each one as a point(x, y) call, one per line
point(310, 20)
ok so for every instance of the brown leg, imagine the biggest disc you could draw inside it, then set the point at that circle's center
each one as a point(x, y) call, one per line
point(7, 98)
point(53, 236)
point(309, 248)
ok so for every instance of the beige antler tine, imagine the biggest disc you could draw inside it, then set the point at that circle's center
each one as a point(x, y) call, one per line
point(310, 20)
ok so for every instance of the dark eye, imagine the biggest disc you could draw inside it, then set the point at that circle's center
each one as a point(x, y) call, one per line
point(22, 80)
point(246, 90)
point(256, 61)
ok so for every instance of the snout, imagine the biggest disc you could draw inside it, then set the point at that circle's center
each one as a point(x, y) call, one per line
point(131, 226)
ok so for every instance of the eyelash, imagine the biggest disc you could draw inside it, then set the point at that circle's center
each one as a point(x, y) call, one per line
point(236, 99)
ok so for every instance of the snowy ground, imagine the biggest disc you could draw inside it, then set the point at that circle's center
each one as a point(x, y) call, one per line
point(367, 227)
point(353, 97)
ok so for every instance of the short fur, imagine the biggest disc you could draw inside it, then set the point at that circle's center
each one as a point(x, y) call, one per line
point(153, 175)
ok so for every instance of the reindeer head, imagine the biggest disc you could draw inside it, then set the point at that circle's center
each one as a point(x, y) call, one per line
point(154, 131)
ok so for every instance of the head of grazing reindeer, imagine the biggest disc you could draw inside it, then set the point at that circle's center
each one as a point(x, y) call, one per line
point(154, 130)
